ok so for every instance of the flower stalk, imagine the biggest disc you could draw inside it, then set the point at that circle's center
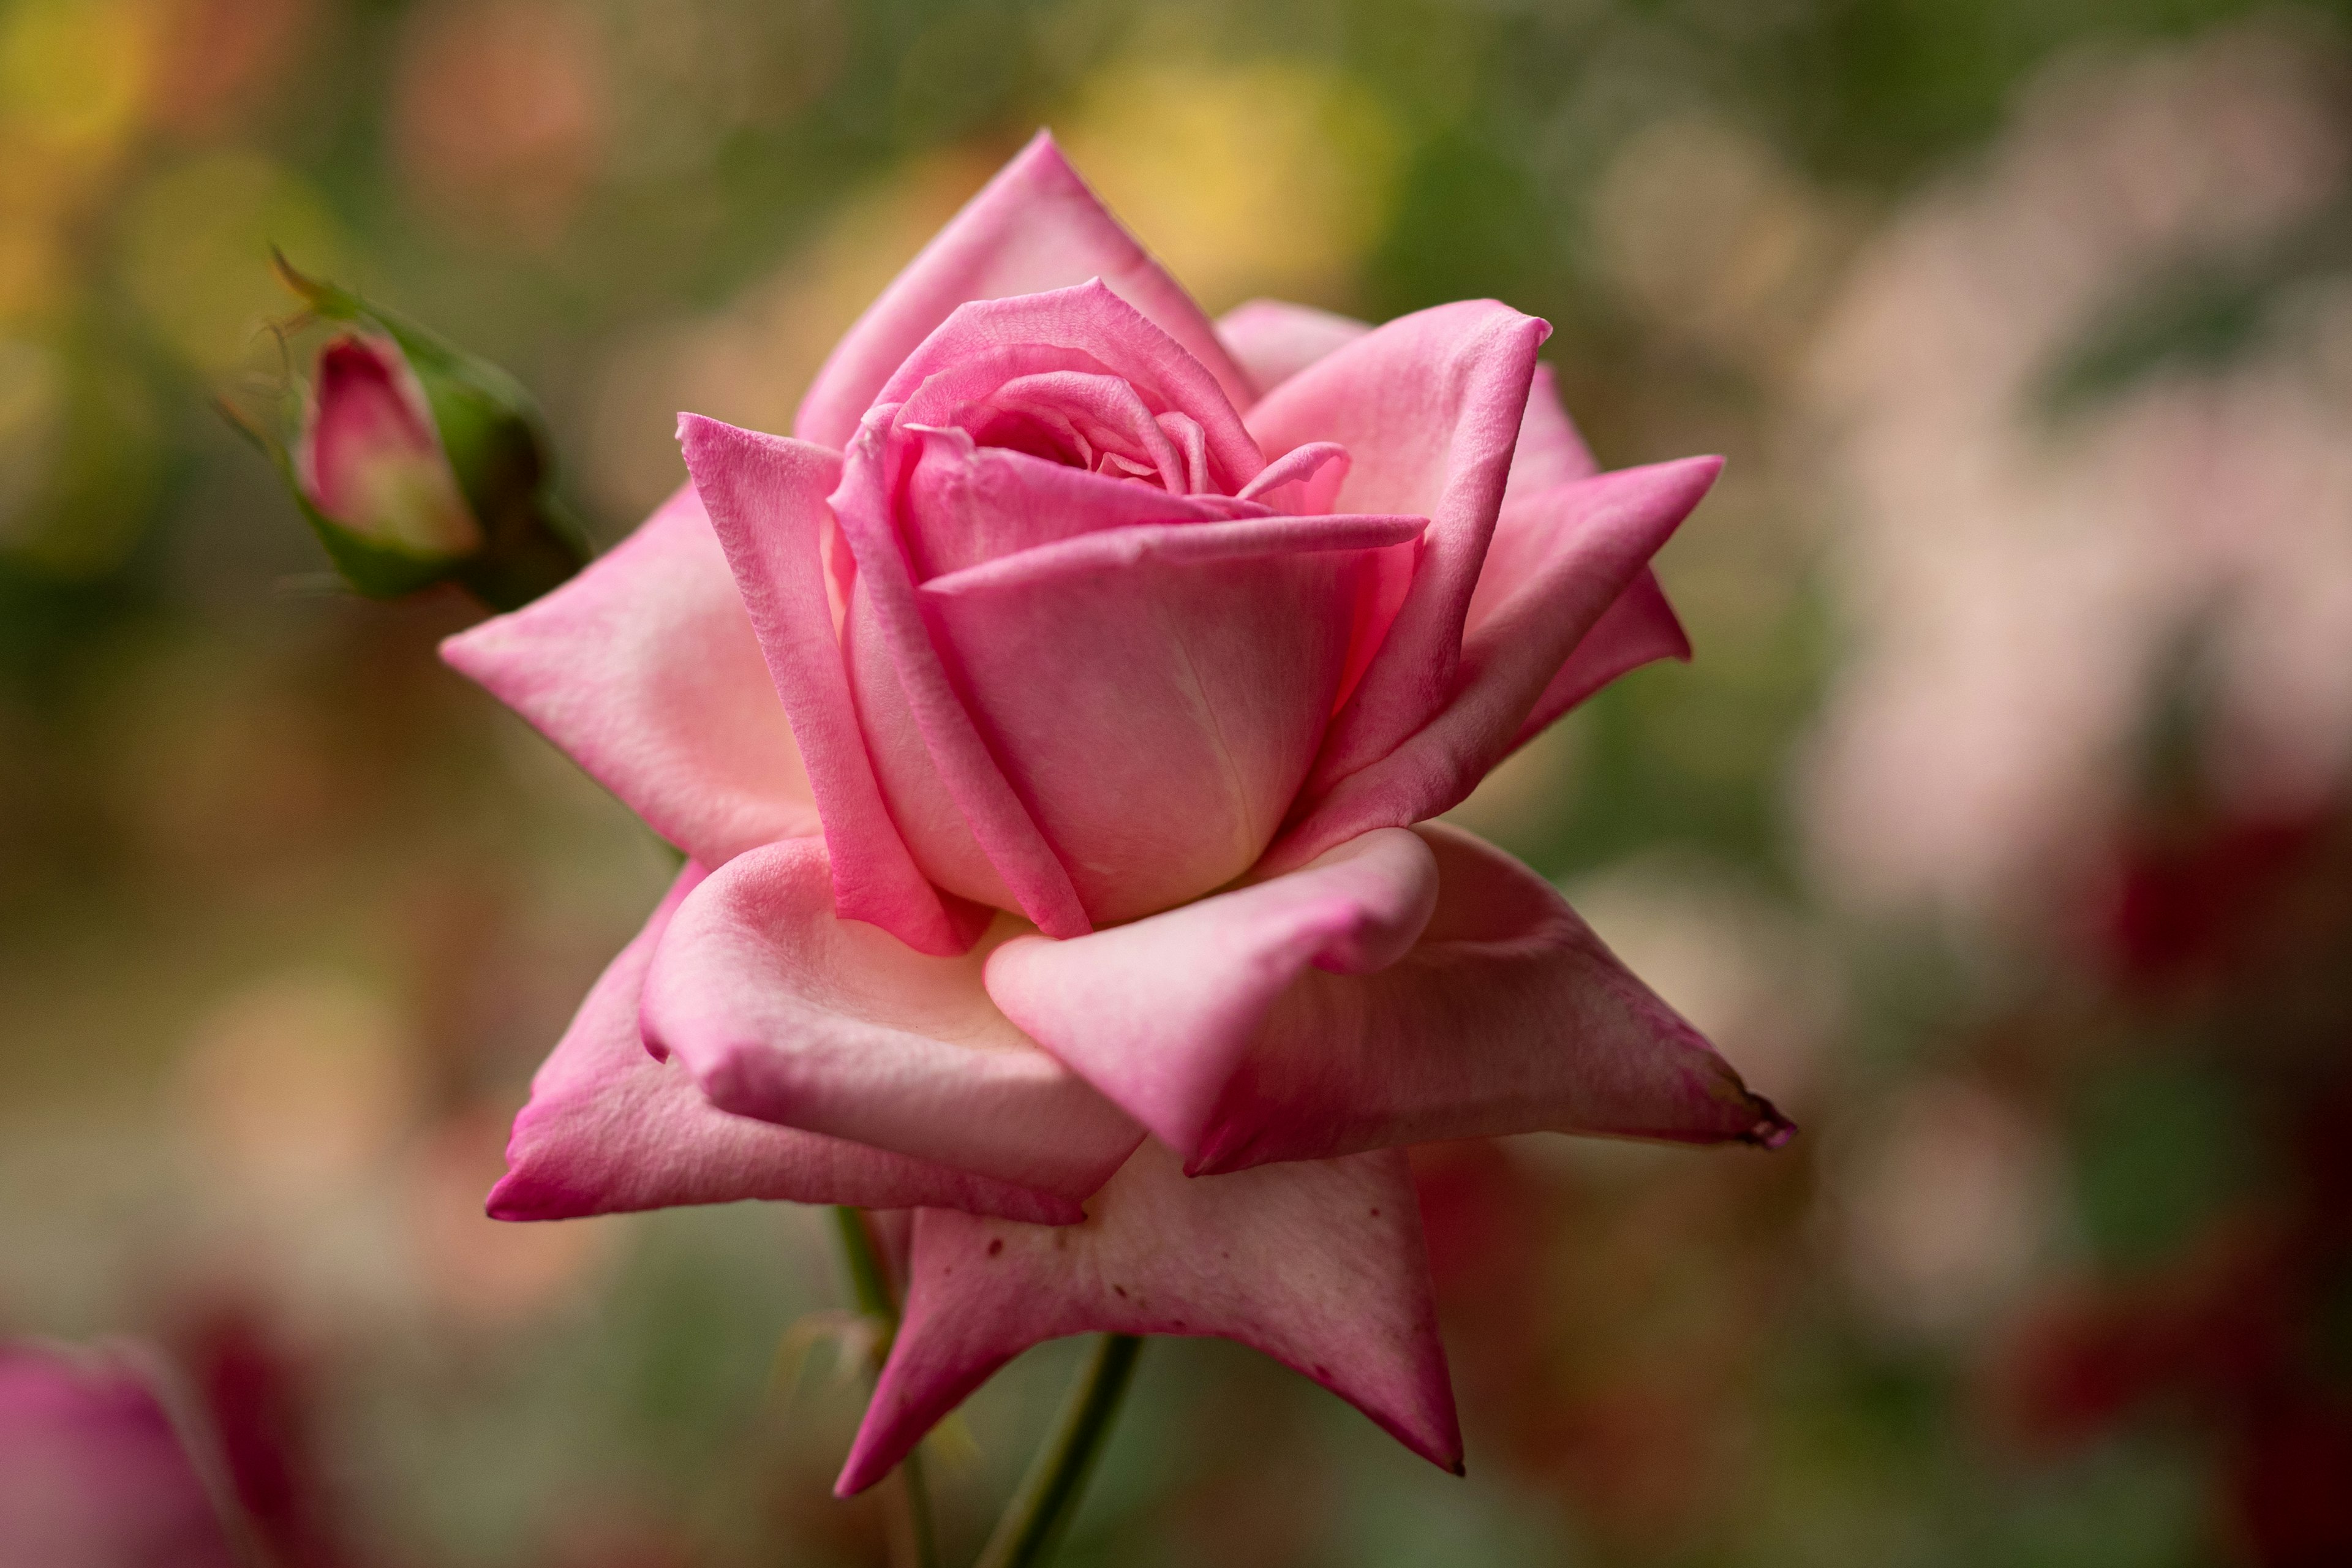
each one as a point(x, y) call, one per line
point(1041, 1510)
point(913, 1542)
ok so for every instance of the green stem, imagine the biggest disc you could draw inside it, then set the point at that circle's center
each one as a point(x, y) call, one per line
point(868, 1280)
point(913, 1541)
point(1041, 1510)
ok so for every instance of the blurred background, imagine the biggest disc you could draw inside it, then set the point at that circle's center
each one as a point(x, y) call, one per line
point(2001, 829)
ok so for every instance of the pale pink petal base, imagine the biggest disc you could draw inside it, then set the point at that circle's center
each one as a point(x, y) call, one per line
point(645, 669)
point(1411, 987)
point(782, 1012)
point(609, 1129)
point(1319, 1264)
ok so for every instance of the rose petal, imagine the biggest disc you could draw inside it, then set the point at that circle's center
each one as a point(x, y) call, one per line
point(1639, 628)
point(913, 715)
point(645, 669)
point(610, 1129)
point(1161, 1012)
point(1155, 691)
point(1274, 339)
point(1601, 533)
point(1314, 1014)
point(767, 504)
point(1429, 408)
point(784, 1013)
point(967, 504)
point(1129, 547)
point(1321, 1264)
point(1317, 470)
point(1088, 328)
point(1036, 227)
point(1549, 451)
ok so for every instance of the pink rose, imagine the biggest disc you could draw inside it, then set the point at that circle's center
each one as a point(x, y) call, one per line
point(1047, 723)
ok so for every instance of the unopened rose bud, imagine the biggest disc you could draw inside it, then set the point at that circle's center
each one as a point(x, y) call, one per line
point(419, 464)
point(371, 461)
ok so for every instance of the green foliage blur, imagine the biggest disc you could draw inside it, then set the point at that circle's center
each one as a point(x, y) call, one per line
point(2059, 1272)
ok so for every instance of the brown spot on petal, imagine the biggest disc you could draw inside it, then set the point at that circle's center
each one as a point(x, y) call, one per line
point(996, 1246)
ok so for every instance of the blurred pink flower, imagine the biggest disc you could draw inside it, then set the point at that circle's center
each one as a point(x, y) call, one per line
point(93, 1473)
point(1120, 653)
point(2018, 586)
point(372, 459)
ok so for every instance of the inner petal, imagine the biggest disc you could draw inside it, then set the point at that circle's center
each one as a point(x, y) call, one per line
point(1105, 412)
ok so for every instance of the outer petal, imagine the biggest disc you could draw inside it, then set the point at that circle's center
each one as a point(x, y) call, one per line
point(767, 503)
point(1156, 692)
point(1601, 533)
point(1504, 1013)
point(1274, 339)
point(1319, 1265)
point(1429, 407)
point(611, 1128)
point(1549, 451)
point(784, 1013)
point(1639, 628)
point(645, 670)
point(1160, 1014)
point(1036, 227)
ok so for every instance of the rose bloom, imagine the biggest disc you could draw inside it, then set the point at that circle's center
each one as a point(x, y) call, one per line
point(1047, 723)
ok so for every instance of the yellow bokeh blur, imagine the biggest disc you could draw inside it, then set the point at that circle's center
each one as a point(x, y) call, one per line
point(1263, 177)
point(195, 252)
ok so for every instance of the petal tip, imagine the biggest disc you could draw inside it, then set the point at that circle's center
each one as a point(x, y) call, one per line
point(517, 1197)
point(459, 651)
point(1773, 1131)
point(861, 1470)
